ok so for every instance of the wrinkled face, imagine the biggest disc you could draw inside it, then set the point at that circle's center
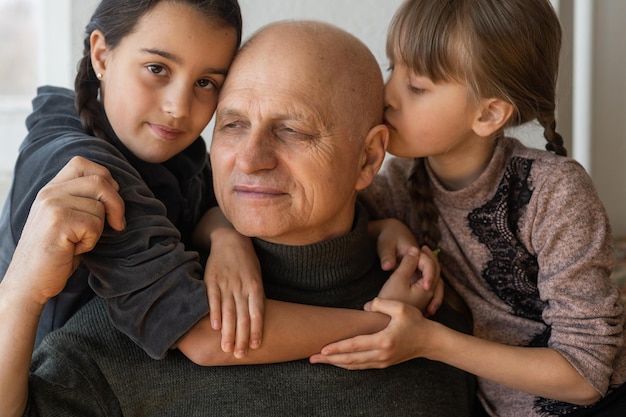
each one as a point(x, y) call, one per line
point(160, 84)
point(284, 167)
point(427, 119)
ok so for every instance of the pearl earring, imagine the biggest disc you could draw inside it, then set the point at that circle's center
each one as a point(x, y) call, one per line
point(99, 75)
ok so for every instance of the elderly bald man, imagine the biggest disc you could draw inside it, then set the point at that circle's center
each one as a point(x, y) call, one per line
point(298, 133)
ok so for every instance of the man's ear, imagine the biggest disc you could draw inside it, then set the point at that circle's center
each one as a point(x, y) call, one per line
point(494, 114)
point(374, 151)
point(99, 52)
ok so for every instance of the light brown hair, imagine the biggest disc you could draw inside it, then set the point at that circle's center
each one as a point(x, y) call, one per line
point(505, 49)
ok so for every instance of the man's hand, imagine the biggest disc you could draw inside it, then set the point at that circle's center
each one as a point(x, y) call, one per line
point(66, 220)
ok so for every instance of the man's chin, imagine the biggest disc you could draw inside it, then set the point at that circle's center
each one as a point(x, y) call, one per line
point(260, 231)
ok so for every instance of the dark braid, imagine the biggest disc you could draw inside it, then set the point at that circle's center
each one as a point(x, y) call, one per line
point(87, 104)
point(422, 195)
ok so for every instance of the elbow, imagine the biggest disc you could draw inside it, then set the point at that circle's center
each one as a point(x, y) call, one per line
point(201, 357)
point(196, 356)
point(586, 395)
point(202, 354)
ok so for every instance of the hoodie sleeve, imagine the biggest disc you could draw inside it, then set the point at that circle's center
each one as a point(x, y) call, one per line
point(153, 286)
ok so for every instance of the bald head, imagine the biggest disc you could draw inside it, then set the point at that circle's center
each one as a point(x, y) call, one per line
point(297, 133)
point(327, 59)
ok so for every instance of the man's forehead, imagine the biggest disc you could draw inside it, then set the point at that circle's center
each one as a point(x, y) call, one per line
point(273, 104)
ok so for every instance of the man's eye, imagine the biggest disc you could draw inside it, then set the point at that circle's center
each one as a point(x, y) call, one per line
point(289, 132)
point(229, 125)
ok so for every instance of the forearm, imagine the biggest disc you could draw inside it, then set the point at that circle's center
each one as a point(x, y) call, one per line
point(291, 331)
point(538, 371)
point(17, 338)
point(212, 222)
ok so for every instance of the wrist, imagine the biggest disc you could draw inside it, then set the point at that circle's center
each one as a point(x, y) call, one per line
point(19, 307)
point(19, 295)
point(435, 341)
point(223, 234)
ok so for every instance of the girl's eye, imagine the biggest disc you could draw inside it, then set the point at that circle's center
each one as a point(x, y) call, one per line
point(416, 90)
point(156, 69)
point(206, 83)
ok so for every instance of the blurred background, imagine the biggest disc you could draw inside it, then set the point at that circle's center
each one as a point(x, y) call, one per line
point(41, 42)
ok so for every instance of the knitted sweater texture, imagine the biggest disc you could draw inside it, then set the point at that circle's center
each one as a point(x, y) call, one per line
point(88, 368)
point(528, 247)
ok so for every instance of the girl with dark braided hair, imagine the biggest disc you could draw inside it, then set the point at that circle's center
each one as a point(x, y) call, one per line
point(524, 239)
point(146, 87)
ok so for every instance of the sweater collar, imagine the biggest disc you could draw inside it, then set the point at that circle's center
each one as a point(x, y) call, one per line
point(483, 187)
point(328, 264)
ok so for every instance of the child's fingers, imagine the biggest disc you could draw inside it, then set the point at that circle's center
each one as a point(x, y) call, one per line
point(408, 265)
point(257, 312)
point(229, 324)
point(242, 333)
point(437, 299)
point(353, 358)
point(215, 305)
point(429, 266)
point(387, 253)
point(364, 342)
point(392, 308)
point(352, 345)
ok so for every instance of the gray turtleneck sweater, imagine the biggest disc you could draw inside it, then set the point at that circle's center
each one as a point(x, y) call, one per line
point(88, 368)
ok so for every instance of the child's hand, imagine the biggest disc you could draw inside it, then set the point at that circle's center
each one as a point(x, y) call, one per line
point(394, 240)
point(405, 283)
point(388, 347)
point(430, 280)
point(235, 291)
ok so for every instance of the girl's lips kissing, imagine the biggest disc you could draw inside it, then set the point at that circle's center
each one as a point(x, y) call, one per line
point(388, 124)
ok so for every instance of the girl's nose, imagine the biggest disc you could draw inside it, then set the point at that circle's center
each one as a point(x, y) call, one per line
point(389, 98)
point(177, 102)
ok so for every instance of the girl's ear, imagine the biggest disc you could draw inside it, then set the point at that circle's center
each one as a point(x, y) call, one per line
point(494, 114)
point(374, 151)
point(99, 52)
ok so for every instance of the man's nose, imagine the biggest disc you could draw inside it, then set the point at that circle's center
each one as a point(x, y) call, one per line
point(257, 152)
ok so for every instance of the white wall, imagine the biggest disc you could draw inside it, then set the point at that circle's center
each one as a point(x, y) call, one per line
point(368, 19)
point(608, 156)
